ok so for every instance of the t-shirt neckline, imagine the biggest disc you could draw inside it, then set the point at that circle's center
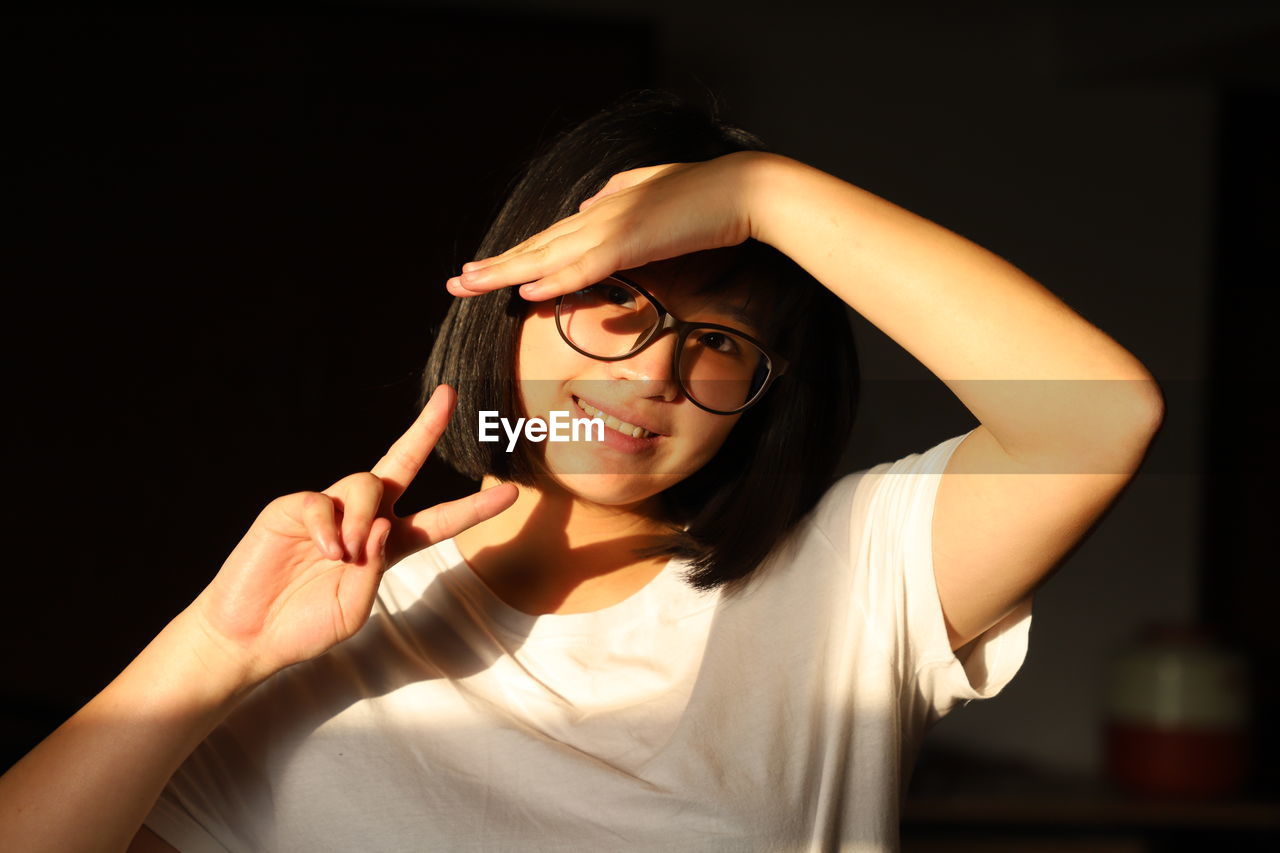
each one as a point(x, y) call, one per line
point(666, 596)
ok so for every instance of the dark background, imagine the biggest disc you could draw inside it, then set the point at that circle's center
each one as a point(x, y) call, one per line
point(230, 231)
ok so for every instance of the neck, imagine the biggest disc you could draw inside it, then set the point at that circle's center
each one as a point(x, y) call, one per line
point(553, 552)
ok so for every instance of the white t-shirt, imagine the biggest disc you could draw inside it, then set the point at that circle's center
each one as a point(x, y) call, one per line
point(787, 717)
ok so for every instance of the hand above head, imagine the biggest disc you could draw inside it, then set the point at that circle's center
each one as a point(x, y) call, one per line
point(638, 217)
point(304, 576)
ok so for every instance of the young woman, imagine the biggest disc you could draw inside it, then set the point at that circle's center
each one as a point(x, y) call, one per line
point(684, 636)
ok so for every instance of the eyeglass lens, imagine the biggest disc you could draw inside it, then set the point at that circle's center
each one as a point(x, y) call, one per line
point(718, 369)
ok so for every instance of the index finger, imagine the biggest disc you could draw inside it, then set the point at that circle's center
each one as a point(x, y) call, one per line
point(402, 461)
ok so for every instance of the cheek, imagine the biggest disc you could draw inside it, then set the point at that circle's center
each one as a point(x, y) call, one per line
point(544, 362)
point(538, 346)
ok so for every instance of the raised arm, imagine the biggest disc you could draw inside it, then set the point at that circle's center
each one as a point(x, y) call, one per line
point(302, 580)
point(1038, 376)
point(1066, 414)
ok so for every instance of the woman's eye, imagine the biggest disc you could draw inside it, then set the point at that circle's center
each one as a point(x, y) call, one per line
point(718, 342)
point(617, 295)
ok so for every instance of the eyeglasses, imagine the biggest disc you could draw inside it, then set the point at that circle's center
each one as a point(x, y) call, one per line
point(720, 369)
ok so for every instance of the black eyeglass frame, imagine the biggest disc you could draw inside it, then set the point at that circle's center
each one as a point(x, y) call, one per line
point(666, 320)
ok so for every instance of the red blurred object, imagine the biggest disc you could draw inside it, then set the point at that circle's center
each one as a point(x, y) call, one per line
point(1176, 762)
point(1178, 715)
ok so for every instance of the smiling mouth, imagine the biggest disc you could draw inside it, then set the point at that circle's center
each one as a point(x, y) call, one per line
point(612, 422)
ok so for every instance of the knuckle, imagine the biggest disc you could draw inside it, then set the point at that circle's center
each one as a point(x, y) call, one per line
point(440, 522)
point(299, 506)
point(369, 488)
point(404, 459)
point(369, 481)
point(315, 505)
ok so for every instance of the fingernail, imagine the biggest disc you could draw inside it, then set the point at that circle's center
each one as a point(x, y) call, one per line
point(382, 544)
point(530, 290)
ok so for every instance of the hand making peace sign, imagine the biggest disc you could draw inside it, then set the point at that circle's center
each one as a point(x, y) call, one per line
point(304, 576)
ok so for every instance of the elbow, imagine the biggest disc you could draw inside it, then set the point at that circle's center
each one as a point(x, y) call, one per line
point(1134, 413)
point(1122, 432)
point(1150, 408)
point(1137, 430)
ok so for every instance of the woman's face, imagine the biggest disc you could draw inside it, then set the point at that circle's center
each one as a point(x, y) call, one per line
point(639, 391)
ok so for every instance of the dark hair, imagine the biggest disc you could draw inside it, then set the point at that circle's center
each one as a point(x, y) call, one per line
point(781, 455)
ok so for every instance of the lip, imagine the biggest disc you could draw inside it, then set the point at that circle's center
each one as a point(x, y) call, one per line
point(624, 443)
point(623, 415)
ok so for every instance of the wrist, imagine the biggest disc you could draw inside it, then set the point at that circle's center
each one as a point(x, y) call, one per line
point(195, 654)
point(765, 176)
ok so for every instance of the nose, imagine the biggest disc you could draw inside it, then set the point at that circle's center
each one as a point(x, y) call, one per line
point(651, 369)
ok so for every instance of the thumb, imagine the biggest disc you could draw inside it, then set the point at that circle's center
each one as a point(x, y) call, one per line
point(626, 180)
point(604, 193)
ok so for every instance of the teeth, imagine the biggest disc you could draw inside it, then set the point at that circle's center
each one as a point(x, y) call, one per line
point(613, 423)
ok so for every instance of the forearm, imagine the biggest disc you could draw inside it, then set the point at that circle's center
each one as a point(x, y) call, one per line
point(970, 317)
point(90, 784)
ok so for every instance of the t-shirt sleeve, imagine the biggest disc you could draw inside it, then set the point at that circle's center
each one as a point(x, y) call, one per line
point(892, 529)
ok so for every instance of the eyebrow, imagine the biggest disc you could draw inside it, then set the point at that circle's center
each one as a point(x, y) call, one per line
point(738, 314)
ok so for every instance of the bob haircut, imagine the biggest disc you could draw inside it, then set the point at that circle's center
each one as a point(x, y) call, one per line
point(782, 454)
